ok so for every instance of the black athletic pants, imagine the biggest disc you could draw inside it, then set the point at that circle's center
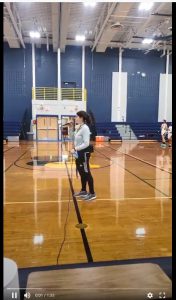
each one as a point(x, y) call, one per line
point(82, 165)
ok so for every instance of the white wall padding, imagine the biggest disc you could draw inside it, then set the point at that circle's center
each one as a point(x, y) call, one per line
point(165, 103)
point(119, 105)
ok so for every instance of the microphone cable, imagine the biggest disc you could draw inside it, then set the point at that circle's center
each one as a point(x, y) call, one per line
point(68, 210)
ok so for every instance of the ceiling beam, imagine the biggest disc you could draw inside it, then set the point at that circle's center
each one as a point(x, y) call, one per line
point(110, 11)
point(72, 42)
point(109, 32)
point(127, 17)
point(144, 25)
point(161, 15)
point(55, 20)
point(100, 20)
point(12, 18)
point(65, 15)
point(10, 34)
point(156, 38)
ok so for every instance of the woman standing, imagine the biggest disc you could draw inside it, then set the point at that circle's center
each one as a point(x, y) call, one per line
point(82, 151)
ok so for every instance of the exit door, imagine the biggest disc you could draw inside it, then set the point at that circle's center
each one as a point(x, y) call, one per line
point(47, 128)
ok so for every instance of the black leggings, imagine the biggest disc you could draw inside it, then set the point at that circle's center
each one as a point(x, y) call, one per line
point(82, 165)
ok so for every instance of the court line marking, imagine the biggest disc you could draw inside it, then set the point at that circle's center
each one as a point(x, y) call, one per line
point(157, 178)
point(133, 174)
point(44, 168)
point(79, 217)
point(8, 149)
point(101, 199)
point(146, 162)
point(12, 164)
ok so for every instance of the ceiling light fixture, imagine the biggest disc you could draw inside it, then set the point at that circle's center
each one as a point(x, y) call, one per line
point(80, 38)
point(145, 5)
point(89, 3)
point(34, 34)
point(147, 41)
point(116, 25)
point(140, 232)
point(38, 239)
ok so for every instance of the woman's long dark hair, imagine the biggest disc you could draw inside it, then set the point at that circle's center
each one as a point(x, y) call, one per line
point(86, 117)
point(92, 117)
point(90, 121)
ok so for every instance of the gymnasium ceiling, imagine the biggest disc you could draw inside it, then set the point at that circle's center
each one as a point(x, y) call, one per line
point(107, 24)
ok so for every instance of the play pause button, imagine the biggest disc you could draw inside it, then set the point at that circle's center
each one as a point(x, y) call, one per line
point(14, 295)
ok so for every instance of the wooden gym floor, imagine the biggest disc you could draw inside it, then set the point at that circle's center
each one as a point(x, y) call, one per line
point(131, 217)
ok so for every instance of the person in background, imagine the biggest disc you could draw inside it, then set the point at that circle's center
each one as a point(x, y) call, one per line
point(82, 152)
point(71, 129)
point(164, 132)
point(170, 135)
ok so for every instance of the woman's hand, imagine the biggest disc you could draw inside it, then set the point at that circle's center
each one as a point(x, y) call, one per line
point(72, 151)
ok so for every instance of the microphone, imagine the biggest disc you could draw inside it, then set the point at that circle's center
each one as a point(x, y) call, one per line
point(69, 123)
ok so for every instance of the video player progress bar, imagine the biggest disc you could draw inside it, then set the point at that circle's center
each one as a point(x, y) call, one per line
point(14, 295)
point(88, 288)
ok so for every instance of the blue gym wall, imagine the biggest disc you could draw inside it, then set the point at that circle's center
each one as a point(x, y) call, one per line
point(143, 92)
point(142, 96)
point(46, 67)
point(71, 65)
point(17, 83)
point(98, 81)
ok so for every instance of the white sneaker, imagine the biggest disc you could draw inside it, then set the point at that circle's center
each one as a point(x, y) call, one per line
point(90, 197)
point(80, 194)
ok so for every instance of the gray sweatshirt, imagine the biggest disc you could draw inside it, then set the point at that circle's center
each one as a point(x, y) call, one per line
point(82, 138)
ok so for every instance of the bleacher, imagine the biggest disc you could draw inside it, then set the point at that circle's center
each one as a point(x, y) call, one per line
point(141, 131)
point(11, 129)
point(108, 129)
point(147, 131)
